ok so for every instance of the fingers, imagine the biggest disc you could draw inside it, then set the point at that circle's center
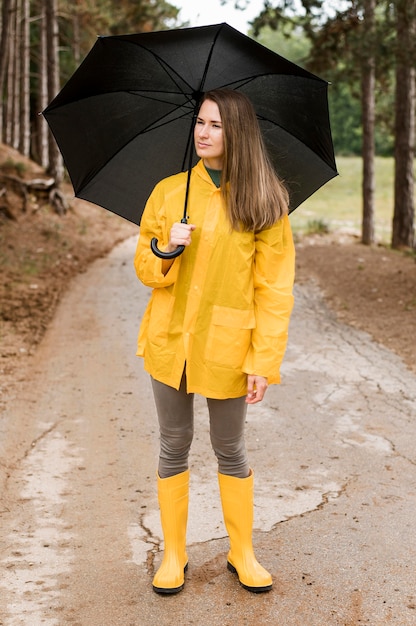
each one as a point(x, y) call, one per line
point(180, 235)
point(256, 388)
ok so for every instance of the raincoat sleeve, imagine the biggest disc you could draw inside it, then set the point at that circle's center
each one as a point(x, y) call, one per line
point(154, 223)
point(274, 272)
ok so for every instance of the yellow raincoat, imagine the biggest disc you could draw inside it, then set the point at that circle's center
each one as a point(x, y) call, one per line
point(223, 308)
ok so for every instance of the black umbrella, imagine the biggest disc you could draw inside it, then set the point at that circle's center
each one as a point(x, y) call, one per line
point(125, 119)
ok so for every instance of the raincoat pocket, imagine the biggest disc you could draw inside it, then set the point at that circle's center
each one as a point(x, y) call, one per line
point(160, 316)
point(229, 336)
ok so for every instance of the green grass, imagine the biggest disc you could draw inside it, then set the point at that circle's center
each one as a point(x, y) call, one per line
point(338, 205)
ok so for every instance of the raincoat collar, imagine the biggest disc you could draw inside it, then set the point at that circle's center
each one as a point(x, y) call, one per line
point(201, 170)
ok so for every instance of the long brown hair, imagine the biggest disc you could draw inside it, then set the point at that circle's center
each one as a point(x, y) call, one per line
point(255, 197)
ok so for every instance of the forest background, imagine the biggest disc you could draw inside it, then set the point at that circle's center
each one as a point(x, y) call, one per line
point(366, 49)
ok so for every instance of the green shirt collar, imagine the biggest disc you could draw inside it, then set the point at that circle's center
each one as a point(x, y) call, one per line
point(215, 176)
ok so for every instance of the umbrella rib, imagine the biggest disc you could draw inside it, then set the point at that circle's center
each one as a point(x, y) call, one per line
point(146, 95)
point(162, 122)
point(207, 64)
point(172, 73)
point(196, 95)
point(197, 98)
point(164, 65)
point(149, 128)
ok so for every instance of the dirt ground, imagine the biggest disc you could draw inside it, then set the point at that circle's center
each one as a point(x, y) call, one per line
point(370, 288)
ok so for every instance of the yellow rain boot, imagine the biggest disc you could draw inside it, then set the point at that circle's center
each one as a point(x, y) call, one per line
point(173, 495)
point(237, 506)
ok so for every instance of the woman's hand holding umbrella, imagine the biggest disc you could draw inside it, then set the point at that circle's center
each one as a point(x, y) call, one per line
point(180, 236)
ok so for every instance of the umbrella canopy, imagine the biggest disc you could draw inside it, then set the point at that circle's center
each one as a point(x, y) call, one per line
point(124, 120)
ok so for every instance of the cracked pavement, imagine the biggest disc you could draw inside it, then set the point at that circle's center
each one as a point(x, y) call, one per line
point(332, 448)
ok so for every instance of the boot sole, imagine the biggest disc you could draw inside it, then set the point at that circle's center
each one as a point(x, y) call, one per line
point(170, 590)
point(232, 569)
point(167, 591)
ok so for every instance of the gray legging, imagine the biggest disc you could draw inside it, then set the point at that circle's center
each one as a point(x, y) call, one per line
point(175, 411)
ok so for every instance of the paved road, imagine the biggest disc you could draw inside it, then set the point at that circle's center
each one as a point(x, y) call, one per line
point(333, 451)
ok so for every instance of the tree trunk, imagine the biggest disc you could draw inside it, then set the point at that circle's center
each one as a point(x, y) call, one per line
point(4, 50)
point(24, 112)
point(15, 77)
point(403, 218)
point(368, 115)
point(42, 127)
point(9, 125)
point(52, 35)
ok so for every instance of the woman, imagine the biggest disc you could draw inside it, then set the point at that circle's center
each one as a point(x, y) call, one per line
point(217, 320)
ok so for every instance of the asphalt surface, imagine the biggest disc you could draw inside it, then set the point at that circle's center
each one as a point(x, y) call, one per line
point(333, 449)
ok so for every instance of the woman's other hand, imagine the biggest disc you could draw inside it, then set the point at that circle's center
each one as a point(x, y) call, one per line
point(256, 388)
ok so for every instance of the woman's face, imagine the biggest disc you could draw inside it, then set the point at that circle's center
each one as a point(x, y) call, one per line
point(208, 135)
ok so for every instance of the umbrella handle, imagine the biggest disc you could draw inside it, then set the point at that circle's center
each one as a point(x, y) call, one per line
point(169, 255)
point(165, 255)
